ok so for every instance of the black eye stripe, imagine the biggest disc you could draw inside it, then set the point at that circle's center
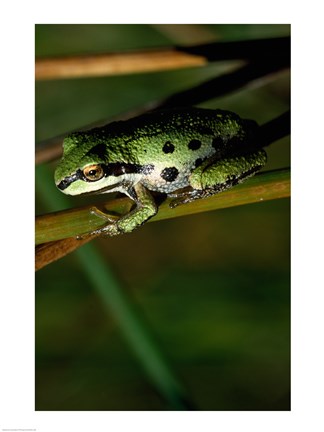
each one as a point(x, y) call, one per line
point(78, 175)
point(114, 169)
point(117, 169)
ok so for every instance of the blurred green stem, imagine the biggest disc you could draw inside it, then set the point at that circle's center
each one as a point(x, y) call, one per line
point(129, 321)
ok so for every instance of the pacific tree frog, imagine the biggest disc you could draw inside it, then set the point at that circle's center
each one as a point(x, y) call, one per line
point(186, 153)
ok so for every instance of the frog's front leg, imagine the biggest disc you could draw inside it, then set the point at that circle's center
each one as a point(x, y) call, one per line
point(215, 176)
point(144, 210)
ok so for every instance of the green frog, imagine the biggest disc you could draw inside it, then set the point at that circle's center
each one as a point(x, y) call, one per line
point(185, 153)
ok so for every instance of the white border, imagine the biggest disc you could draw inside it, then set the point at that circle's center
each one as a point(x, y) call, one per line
point(17, 288)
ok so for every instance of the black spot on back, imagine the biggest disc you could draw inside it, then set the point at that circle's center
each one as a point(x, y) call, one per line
point(169, 174)
point(97, 150)
point(168, 147)
point(198, 162)
point(194, 144)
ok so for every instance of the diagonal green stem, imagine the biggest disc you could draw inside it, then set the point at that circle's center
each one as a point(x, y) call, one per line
point(134, 330)
point(70, 223)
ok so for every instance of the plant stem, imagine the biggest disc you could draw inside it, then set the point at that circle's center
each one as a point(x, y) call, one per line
point(273, 50)
point(70, 223)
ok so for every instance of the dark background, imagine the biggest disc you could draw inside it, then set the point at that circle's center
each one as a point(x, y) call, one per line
point(213, 289)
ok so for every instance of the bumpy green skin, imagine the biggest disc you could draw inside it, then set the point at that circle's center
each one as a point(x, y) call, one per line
point(186, 153)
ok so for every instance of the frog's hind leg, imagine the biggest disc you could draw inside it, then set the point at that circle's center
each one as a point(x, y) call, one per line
point(213, 177)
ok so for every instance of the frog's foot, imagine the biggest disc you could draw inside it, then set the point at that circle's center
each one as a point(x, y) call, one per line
point(95, 211)
point(190, 196)
point(109, 230)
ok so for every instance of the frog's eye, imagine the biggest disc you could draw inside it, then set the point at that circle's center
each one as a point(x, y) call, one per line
point(93, 172)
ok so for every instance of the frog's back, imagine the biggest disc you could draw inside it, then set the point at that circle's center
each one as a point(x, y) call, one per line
point(179, 124)
point(177, 141)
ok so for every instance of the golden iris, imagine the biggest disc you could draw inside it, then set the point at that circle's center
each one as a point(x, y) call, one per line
point(93, 172)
